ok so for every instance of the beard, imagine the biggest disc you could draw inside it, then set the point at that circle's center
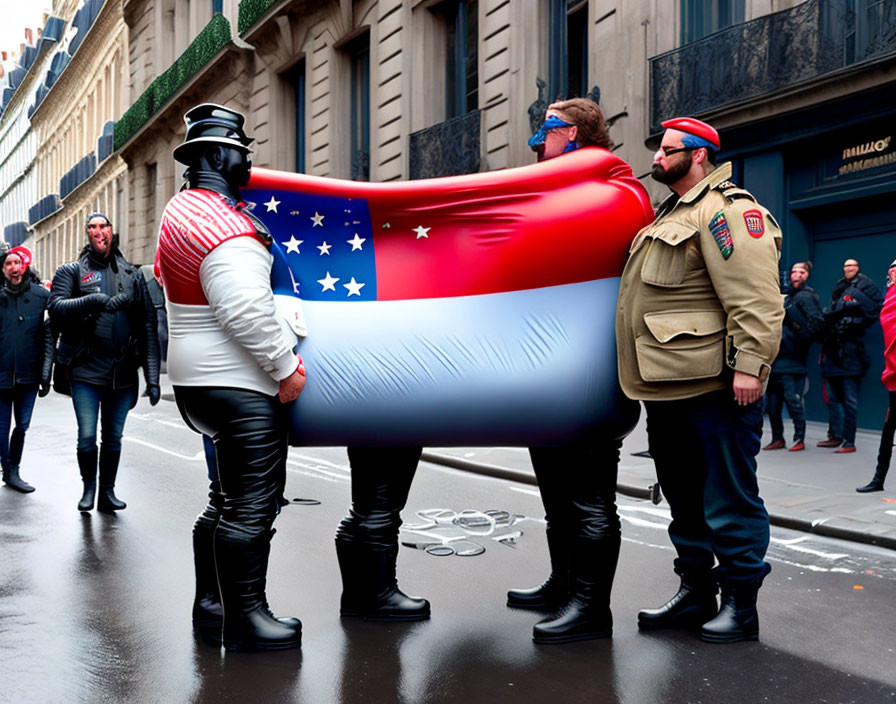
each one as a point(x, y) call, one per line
point(669, 176)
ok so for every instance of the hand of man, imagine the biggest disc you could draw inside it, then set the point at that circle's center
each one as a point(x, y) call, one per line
point(747, 388)
point(97, 301)
point(117, 303)
point(292, 386)
point(154, 393)
point(44, 388)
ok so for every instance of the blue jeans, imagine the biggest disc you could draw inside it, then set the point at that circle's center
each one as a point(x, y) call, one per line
point(843, 406)
point(705, 452)
point(115, 403)
point(16, 402)
point(787, 389)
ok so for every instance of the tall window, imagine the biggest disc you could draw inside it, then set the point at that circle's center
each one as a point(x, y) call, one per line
point(567, 49)
point(217, 7)
point(462, 55)
point(700, 18)
point(359, 55)
point(296, 79)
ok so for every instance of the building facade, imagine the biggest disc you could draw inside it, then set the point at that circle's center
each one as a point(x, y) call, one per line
point(83, 93)
point(802, 92)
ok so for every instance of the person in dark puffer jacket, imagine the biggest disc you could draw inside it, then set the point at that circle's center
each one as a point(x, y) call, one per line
point(26, 357)
point(855, 305)
point(100, 304)
point(803, 322)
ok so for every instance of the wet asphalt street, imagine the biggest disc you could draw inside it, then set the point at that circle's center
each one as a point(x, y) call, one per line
point(96, 607)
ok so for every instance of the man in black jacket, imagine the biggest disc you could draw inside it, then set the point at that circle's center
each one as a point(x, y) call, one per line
point(803, 321)
point(100, 304)
point(26, 356)
point(854, 307)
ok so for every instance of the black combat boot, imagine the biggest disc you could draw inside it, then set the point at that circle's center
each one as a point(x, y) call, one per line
point(241, 559)
point(87, 466)
point(586, 615)
point(738, 618)
point(554, 592)
point(367, 539)
point(208, 615)
point(693, 605)
point(370, 587)
point(107, 502)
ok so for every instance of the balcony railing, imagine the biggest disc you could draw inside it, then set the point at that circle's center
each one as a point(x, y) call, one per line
point(769, 54)
point(44, 207)
point(77, 175)
point(15, 234)
point(449, 148)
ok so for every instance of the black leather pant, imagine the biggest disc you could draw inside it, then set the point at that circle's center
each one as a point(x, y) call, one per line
point(381, 481)
point(250, 435)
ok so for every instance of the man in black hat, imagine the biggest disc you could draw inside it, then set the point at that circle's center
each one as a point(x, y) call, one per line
point(233, 368)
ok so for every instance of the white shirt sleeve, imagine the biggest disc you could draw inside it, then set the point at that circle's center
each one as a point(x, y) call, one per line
point(236, 279)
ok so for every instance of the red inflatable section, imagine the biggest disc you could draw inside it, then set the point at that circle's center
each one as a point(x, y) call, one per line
point(566, 220)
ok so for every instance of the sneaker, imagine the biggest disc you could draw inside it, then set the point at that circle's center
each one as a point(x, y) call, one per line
point(775, 445)
point(797, 446)
point(831, 442)
point(845, 447)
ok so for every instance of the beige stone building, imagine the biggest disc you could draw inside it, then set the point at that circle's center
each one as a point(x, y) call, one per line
point(85, 92)
point(803, 92)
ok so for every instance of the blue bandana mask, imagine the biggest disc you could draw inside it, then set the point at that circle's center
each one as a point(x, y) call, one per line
point(552, 122)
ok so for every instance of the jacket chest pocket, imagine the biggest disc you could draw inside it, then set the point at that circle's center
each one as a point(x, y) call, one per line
point(666, 261)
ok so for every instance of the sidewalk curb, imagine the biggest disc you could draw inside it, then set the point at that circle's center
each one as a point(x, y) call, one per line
point(798, 524)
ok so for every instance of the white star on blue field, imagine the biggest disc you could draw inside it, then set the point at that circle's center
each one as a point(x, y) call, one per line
point(336, 243)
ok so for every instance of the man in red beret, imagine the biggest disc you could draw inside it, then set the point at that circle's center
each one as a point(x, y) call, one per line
point(697, 327)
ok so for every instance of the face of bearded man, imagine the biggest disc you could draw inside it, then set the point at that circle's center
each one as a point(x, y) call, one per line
point(674, 172)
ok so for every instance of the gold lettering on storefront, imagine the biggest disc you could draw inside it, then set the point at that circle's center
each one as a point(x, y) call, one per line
point(869, 148)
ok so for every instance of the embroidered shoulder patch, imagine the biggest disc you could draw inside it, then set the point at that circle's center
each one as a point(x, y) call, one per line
point(755, 223)
point(90, 277)
point(718, 228)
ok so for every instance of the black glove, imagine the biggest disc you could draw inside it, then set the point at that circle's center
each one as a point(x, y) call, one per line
point(117, 303)
point(96, 301)
point(44, 388)
point(154, 393)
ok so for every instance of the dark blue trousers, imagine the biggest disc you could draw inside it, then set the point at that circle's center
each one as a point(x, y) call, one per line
point(705, 453)
point(786, 389)
point(843, 406)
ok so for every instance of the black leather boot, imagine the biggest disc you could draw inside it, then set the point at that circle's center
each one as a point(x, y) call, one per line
point(370, 588)
point(87, 466)
point(208, 614)
point(738, 618)
point(241, 559)
point(367, 539)
point(587, 614)
point(107, 502)
point(877, 482)
point(12, 479)
point(693, 605)
point(554, 592)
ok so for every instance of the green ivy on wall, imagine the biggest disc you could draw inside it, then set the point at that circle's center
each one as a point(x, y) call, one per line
point(251, 10)
point(208, 42)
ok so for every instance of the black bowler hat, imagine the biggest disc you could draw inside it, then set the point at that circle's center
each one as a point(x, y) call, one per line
point(215, 124)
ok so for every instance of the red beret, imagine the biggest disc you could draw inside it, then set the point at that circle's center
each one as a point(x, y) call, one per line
point(22, 253)
point(694, 127)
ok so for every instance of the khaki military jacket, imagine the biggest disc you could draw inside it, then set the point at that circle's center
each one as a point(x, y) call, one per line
point(699, 294)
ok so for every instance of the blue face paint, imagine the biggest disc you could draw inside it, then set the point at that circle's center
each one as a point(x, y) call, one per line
point(552, 122)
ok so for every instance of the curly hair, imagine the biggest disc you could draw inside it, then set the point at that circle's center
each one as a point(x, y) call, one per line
point(587, 116)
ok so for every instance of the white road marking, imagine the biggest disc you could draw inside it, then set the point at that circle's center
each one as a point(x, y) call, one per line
point(194, 458)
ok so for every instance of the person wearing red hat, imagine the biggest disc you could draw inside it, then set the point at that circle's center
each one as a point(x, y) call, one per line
point(26, 357)
point(698, 325)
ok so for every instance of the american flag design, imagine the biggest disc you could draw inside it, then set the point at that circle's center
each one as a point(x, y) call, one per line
point(470, 310)
point(194, 222)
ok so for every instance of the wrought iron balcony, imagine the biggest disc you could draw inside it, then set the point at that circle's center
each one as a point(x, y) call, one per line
point(44, 207)
point(15, 234)
point(449, 148)
point(770, 54)
point(77, 175)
